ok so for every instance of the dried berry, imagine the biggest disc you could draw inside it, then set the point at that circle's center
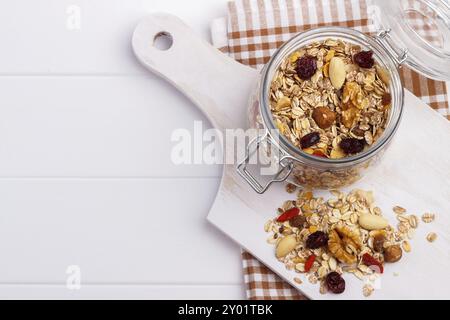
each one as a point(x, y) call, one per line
point(297, 221)
point(378, 242)
point(309, 262)
point(351, 145)
point(373, 263)
point(309, 140)
point(364, 59)
point(316, 240)
point(335, 282)
point(386, 99)
point(306, 67)
point(288, 214)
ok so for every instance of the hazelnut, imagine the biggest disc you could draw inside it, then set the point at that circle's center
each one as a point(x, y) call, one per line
point(392, 253)
point(324, 117)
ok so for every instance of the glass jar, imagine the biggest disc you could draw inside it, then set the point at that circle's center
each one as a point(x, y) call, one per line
point(311, 171)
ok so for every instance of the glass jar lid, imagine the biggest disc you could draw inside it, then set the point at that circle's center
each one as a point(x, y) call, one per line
point(417, 32)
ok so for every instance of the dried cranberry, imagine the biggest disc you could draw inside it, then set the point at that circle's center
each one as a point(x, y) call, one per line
point(352, 145)
point(309, 140)
point(335, 282)
point(316, 240)
point(306, 67)
point(386, 99)
point(364, 59)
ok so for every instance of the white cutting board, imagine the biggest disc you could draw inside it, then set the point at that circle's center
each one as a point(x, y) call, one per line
point(414, 173)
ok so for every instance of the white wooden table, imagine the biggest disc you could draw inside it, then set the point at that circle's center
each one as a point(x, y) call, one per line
point(85, 173)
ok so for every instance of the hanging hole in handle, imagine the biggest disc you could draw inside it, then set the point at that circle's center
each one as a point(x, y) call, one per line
point(163, 41)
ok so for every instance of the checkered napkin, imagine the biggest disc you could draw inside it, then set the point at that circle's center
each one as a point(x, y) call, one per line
point(251, 33)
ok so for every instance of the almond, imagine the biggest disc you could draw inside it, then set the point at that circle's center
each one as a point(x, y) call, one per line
point(372, 222)
point(337, 72)
point(286, 245)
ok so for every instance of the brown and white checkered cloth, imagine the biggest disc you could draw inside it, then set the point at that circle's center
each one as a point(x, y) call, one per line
point(251, 33)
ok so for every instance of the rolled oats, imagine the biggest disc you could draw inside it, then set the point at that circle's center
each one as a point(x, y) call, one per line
point(428, 217)
point(399, 210)
point(367, 290)
point(431, 237)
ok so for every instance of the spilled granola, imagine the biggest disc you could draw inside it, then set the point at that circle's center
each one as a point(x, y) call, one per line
point(325, 239)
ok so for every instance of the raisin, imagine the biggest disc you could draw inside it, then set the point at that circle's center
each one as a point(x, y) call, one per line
point(297, 221)
point(306, 67)
point(335, 282)
point(352, 145)
point(386, 99)
point(309, 140)
point(316, 240)
point(378, 243)
point(364, 59)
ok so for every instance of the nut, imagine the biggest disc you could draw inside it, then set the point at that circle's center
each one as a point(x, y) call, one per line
point(341, 239)
point(324, 117)
point(337, 72)
point(286, 245)
point(392, 253)
point(372, 222)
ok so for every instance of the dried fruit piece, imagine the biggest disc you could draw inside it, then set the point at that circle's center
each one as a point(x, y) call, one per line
point(392, 253)
point(386, 99)
point(309, 262)
point(370, 261)
point(337, 72)
point(310, 139)
point(288, 214)
point(349, 116)
point(352, 145)
point(306, 67)
point(319, 153)
point(297, 221)
point(372, 222)
point(364, 59)
point(294, 57)
point(324, 117)
point(335, 283)
point(337, 153)
point(286, 245)
point(329, 55)
point(316, 240)
point(378, 242)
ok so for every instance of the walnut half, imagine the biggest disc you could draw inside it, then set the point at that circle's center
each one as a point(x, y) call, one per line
point(343, 244)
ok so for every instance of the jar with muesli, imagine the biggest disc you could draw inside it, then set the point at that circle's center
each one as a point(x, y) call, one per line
point(329, 103)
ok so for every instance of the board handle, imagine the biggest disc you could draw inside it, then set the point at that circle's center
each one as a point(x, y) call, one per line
point(205, 75)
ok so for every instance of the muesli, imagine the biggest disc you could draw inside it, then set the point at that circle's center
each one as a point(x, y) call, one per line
point(347, 233)
point(331, 99)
